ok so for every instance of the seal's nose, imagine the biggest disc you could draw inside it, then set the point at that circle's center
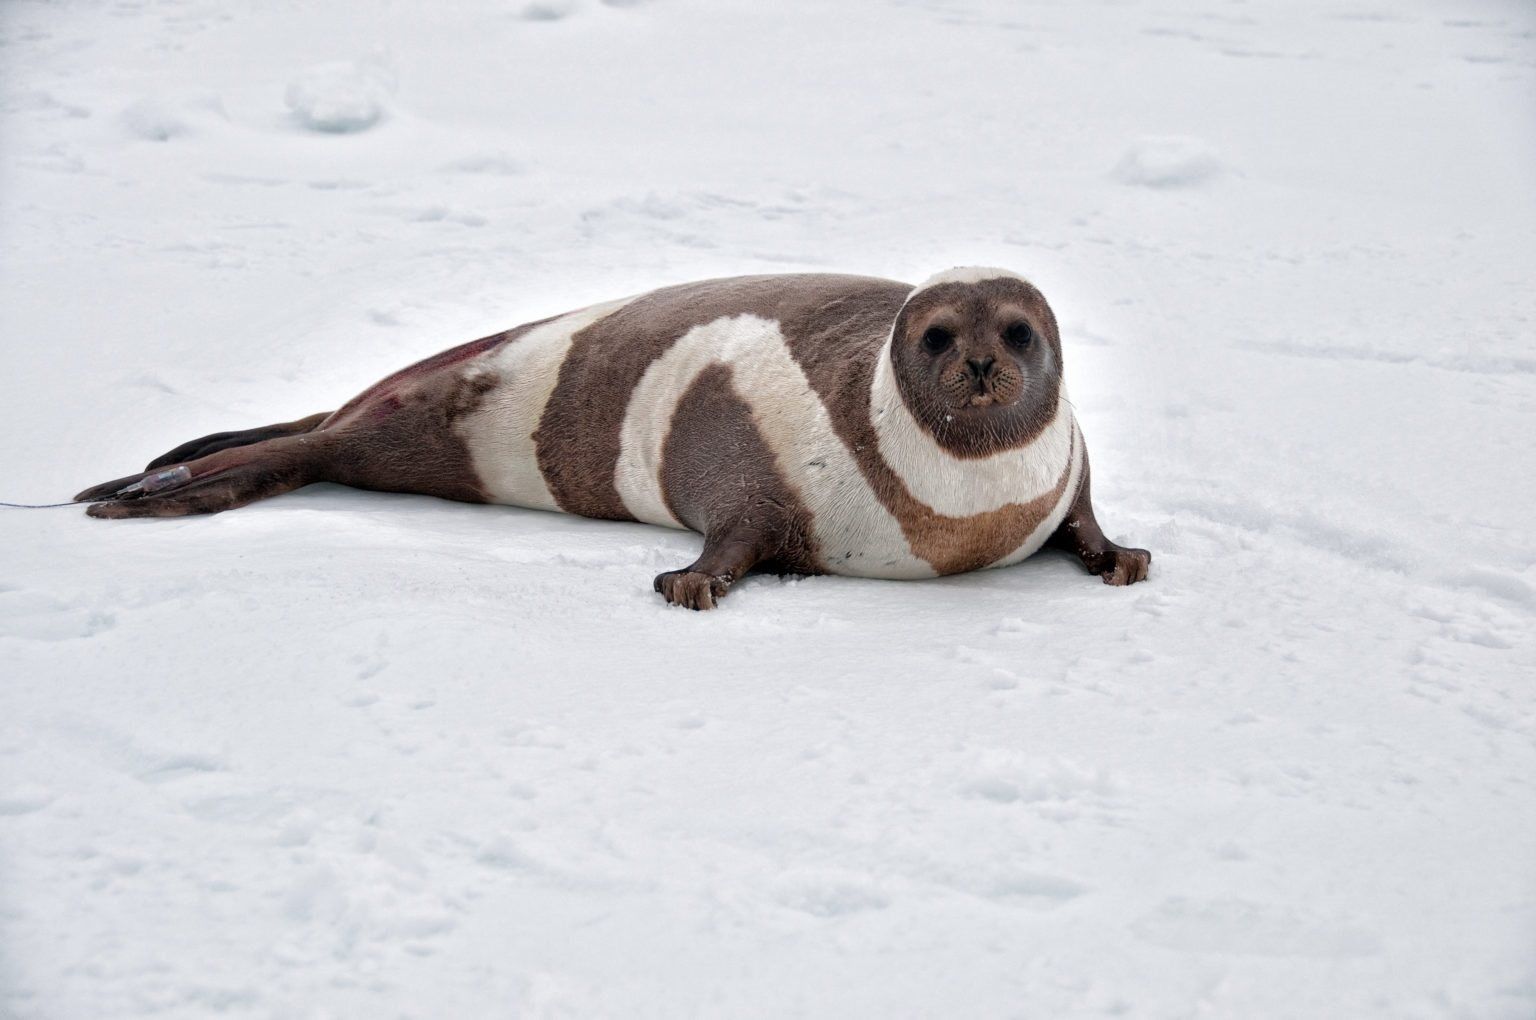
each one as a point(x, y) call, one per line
point(980, 367)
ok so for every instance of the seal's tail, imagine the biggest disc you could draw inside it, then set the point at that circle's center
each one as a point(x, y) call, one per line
point(222, 480)
point(229, 440)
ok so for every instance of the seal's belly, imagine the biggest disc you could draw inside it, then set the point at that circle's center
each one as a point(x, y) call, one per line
point(559, 429)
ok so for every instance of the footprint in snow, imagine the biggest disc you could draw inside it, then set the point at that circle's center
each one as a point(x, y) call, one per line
point(489, 163)
point(1246, 928)
point(161, 119)
point(828, 894)
point(1032, 889)
point(24, 800)
point(547, 10)
point(1006, 777)
point(445, 214)
point(34, 616)
point(160, 768)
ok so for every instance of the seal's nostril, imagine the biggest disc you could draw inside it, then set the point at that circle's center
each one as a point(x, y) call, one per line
point(982, 367)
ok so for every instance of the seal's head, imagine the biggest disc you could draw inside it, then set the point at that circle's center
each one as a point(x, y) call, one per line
point(977, 359)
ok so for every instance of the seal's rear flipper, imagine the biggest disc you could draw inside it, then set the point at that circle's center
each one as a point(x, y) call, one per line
point(220, 481)
point(230, 440)
point(107, 490)
point(136, 486)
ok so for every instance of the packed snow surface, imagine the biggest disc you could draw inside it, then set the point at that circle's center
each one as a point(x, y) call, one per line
point(346, 754)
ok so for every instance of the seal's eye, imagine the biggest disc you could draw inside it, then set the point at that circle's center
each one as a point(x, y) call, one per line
point(937, 340)
point(1018, 336)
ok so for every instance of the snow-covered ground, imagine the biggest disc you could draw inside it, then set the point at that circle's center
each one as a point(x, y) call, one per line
point(357, 755)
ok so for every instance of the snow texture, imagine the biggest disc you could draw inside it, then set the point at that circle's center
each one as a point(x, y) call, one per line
point(341, 97)
point(1168, 162)
point(350, 754)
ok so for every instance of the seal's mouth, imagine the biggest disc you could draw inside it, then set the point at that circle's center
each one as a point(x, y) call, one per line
point(978, 398)
point(979, 387)
point(977, 394)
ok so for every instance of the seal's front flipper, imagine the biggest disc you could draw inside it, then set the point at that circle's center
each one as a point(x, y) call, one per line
point(1118, 565)
point(726, 558)
point(693, 589)
point(1081, 535)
